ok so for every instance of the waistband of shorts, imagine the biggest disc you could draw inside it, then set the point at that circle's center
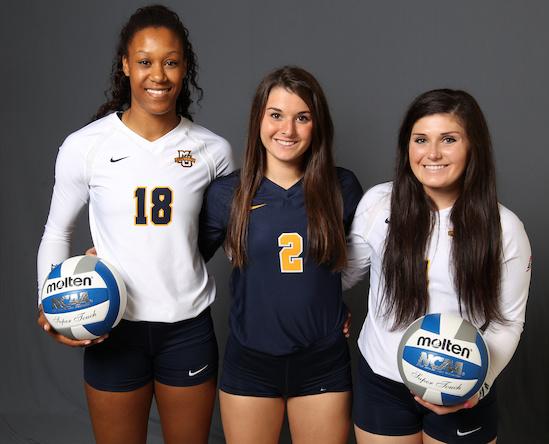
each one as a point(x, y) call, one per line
point(322, 343)
point(206, 313)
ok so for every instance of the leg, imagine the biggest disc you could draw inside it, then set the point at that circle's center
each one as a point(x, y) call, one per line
point(319, 419)
point(363, 437)
point(185, 412)
point(428, 440)
point(120, 416)
point(251, 419)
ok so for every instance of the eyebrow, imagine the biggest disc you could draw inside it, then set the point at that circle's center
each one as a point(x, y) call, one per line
point(442, 134)
point(140, 51)
point(280, 111)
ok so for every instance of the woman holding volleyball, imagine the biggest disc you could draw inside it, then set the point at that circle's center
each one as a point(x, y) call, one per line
point(436, 240)
point(283, 220)
point(143, 166)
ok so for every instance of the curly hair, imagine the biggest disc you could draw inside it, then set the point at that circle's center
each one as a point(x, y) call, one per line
point(119, 93)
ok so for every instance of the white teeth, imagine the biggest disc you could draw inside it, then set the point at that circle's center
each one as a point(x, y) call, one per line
point(157, 92)
point(434, 167)
point(285, 142)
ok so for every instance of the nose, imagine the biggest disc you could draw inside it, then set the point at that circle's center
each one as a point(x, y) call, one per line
point(434, 152)
point(157, 73)
point(288, 127)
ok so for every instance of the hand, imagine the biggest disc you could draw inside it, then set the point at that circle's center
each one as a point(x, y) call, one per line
point(444, 410)
point(45, 325)
point(347, 325)
point(91, 252)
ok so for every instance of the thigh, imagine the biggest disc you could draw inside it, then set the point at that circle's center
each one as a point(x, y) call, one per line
point(472, 426)
point(185, 352)
point(120, 417)
point(122, 362)
point(185, 412)
point(322, 368)
point(251, 419)
point(429, 440)
point(322, 419)
point(384, 407)
point(248, 372)
point(364, 437)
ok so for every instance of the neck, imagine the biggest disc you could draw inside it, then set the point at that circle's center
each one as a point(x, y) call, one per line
point(283, 175)
point(149, 126)
point(443, 200)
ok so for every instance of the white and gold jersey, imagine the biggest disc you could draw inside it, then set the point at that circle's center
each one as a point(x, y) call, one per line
point(377, 342)
point(144, 203)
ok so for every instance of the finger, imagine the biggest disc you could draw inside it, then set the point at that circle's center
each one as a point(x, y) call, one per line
point(439, 409)
point(91, 252)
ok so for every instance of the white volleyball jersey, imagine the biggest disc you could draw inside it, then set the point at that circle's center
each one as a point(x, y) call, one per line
point(144, 201)
point(378, 344)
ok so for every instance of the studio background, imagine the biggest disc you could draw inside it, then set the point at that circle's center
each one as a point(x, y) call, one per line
point(371, 57)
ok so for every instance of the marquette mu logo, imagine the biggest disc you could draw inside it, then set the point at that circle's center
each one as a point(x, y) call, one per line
point(185, 158)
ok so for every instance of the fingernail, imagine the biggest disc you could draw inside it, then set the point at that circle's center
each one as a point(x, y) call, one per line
point(46, 327)
point(87, 342)
point(467, 405)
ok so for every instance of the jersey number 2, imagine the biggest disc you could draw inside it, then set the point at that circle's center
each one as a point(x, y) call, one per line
point(292, 247)
point(161, 208)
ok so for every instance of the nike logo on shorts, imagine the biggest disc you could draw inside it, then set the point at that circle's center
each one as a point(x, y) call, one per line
point(255, 207)
point(118, 160)
point(460, 433)
point(191, 373)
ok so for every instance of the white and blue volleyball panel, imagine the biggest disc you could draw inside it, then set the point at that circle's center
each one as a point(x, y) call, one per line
point(443, 359)
point(83, 297)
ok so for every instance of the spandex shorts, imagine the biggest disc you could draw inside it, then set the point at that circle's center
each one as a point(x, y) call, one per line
point(178, 354)
point(386, 407)
point(320, 368)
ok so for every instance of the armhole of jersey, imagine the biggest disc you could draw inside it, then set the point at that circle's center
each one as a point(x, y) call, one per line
point(90, 159)
point(208, 160)
point(374, 213)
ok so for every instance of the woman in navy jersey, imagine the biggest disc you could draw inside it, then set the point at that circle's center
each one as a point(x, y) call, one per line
point(143, 166)
point(436, 241)
point(283, 220)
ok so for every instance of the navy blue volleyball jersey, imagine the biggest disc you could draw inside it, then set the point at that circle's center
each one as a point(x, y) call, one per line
point(282, 300)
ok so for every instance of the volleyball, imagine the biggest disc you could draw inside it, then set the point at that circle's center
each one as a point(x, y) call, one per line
point(443, 359)
point(83, 297)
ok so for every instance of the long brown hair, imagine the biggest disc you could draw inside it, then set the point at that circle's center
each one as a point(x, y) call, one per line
point(323, 201)
point(156, 16)
point(477, 240)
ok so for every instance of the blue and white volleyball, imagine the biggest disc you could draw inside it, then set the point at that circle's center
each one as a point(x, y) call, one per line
point(83, 297)
point(443, 359)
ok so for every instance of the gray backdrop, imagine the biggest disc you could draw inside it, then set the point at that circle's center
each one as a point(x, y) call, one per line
point(372, 58)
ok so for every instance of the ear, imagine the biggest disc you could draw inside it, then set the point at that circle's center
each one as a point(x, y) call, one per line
point(125, 66)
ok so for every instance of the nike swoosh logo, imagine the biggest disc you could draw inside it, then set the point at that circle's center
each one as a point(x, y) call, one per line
point(118, 160)
point(191, 373)
point(460, 433)
point(387, 220)
point(255, 207)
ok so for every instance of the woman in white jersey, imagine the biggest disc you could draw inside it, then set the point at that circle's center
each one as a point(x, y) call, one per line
point(143, 166)
point(436, 240)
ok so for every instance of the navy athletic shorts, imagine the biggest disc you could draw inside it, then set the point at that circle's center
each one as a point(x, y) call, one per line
point(179, 354)
point(386, 407)
point(320, 368)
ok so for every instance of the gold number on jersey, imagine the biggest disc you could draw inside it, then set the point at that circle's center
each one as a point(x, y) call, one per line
point(292, 247)
point(160, 208)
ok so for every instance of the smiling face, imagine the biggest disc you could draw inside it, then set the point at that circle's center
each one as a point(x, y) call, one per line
point(286, 129)
point(438, 152)
point(156, 67)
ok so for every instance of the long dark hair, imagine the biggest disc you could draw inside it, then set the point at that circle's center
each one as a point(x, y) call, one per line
point(476, 243)
point(325, 232)
point(156, 16)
